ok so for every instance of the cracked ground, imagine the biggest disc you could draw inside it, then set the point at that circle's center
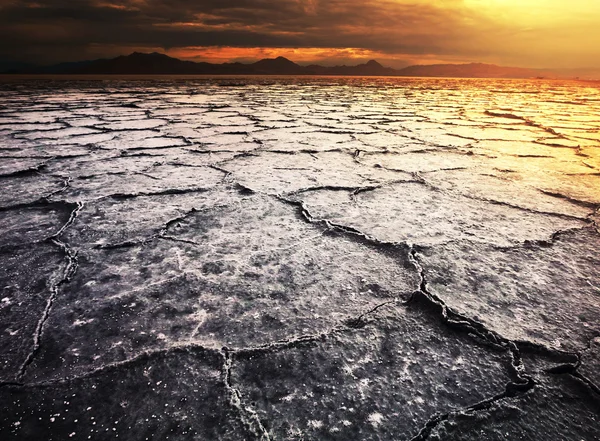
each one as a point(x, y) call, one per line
point(299, 259)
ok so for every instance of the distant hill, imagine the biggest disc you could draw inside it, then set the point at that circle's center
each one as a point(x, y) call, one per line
point(159, 64)
point(135, 64)
point(279, 65)
point(371, 68)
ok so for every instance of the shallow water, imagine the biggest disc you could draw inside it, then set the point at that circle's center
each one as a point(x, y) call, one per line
point(299, 258)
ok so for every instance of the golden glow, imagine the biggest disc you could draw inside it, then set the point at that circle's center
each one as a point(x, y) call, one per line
point(299, 55)
point(526, 33)
point(534, 33)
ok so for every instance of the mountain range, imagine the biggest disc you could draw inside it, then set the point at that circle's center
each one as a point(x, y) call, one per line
point(159, 64)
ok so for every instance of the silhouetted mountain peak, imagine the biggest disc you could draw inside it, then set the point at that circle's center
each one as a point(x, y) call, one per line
point(279, 65)
point(149, 56)
point(373, 63)
point(279, 61)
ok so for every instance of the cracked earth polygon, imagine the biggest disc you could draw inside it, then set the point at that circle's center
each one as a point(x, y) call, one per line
point(299, 259)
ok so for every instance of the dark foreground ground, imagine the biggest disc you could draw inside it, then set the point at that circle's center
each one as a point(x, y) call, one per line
point(314, 259)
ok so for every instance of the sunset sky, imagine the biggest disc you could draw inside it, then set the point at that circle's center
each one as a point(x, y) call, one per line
point(527, 33)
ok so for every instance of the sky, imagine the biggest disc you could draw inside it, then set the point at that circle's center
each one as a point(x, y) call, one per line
point(524, 33)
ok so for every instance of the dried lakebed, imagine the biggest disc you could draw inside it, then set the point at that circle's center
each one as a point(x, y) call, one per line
point(299, 259)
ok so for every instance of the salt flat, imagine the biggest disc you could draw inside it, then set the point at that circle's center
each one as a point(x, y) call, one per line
point(299, 259)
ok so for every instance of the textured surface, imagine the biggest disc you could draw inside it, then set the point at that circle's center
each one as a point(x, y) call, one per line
point(553, 410)
point(299, 259)
point(380, 382)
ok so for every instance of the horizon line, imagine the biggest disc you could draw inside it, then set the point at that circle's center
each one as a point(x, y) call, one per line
point(249, 61)
point(62, 68)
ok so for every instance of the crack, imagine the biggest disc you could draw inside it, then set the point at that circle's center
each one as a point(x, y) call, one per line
point(143, 356)
point(227, 173)
point(511, 390)
point(161, 234)
point(584, 204)
point(179, 239)
point(168, 191)
point(126, 244)
point(72, 217)
point(595, 219)
point(475, 328)
point(307, 151)
point(586, 381)
point(353, 190)
point(237, 153)
point(518, 207)
point(335, 227)
point(103, 174)
point(68, 272)
point(163, 231)
point(457, 321)
point(530, 210)
point(289, 343)
point(360, 322)
point(42, 202)
point(523, 382)
point(571, 366)
point(526, 121)
point(468, 138)
point(36, 169)
point(147, 175)
point(399, 170)
point(504, 115)
point(247, 415)
point(350, 189)
point(582, 174)
point(21, 157)
point(346, 325)
point(421, 180)
point(66, 184)
point(544, 243)
point(176, 220)
point(38, 332)
point(555, 144)
point(165, 147)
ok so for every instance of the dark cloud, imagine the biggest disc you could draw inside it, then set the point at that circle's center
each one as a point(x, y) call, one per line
point(68, 26)
point(51, 30)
